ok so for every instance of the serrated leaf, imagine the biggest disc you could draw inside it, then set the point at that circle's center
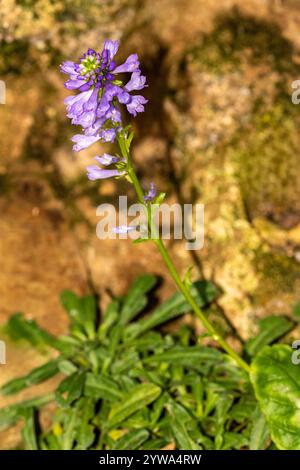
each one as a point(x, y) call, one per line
point(271, 328)
point(139, 397)
point(276, 382)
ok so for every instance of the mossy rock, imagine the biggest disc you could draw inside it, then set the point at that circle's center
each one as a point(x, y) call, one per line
point(277, 272)
point(268, 166)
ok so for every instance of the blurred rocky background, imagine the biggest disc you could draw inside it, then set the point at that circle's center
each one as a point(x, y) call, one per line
point(220, 129)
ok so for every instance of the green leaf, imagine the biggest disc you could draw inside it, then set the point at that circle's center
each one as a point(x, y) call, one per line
point(102, 387)
point(132, 440)
point(159, 199)
point(276, 382)
point(187, 356)
point(204, 292)
point(296, 311)
point(18, 328)
point(156, 444)
point(223, 405)
point(85, 431)
point(139, 397)
point(136, 300)
point(110, 317)
point(88, 309)
point(29, 430)
point(68, 345)
point(180, 433)
point(260, 432)
point(36, 376)
point(187, 280)
point(70, 429)
point(271, 328)
point(233, 440)
point(67, 367)
point(70, 388)
point(12, 413)
point(82, 312)
point(137, 241)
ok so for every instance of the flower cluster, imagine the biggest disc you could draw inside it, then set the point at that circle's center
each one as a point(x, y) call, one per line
point(96, 108)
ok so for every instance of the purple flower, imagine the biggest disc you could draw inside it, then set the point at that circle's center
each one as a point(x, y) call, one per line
point(137, 82)
point(151, 193)
point(73, 84)
point(83, 141)
point(136, 105)
point(96, 108)
point(94, 172)
point(107, 159)
point(112, 48)
point(131, 64)
point(68, 67)
point(108, 135)
point(122, 229)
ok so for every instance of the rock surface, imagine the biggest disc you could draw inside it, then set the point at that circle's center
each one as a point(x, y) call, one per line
point(219, 129)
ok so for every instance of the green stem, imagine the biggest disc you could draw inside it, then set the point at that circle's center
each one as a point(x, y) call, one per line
point(171, 267)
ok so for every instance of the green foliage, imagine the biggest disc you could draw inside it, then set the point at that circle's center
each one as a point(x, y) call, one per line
point(276, 381)
point(127, 385)
point(271, 329)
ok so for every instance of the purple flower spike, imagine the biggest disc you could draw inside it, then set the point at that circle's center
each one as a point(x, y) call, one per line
point(96, 107)
point(96, 173)
point(151, 193)
point(122, 229)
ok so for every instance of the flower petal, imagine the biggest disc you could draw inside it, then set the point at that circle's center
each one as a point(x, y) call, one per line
point(112, 47)
point(122, 229)
point(107, 159)
point(83, 141)
point(130, 65)
point(151, 193)
point(136, 105)
point(94, 172)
